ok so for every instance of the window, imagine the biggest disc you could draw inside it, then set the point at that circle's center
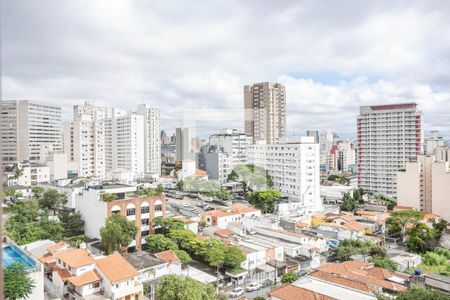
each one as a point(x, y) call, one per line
point(158, 207)
point(95, 285)
point(145, 209)
point(145, 233)
point(145, 222)
point(131, 211)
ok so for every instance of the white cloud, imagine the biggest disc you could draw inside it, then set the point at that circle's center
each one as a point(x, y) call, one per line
point(179, 55)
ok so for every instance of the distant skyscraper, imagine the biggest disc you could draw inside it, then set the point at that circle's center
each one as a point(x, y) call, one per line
point(125, 142)
point(432, 143)
point(152, 139)
point(313, 133)
point(25, 126)
point(84, 140)
point(183, 143)
point(388, 136)
point(265, 111)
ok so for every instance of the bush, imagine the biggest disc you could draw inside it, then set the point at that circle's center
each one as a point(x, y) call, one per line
point(443, 252)
point(434, 259)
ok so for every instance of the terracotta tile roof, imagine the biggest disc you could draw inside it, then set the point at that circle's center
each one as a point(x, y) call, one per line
point(347, 218)
point(367, 213)
point(46, 258)
point(363, 273)
point(75, 257)
point(223, 233)
point(168, 256)
point(302, 225)
point(319, 216)
point(56, 247)
point(63, 273)
point(343, 281)
point(200, 173)
point(355, 226)
point(218, 213)
point(184, 220)
point(241, 208)
point(428, 216)
point(403, 207)
point(116, 268)
point(292, 292)
point(85, 278)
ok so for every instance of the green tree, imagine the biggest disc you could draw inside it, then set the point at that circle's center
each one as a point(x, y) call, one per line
point(17, 284)
point(421, 239)
point(434, 259)
point(173, 287)
point(421, 293)
point(438, 228)
point(108, 197)
point(158, 242)
point(52, 199)
point(49, 229)
point(252, 177)
point(18, 172)
point(383, 262)
point(216, 253)
point(289, 277)
point(233, 257)
point(168, 224)
point(264, 200)
point(72, 222)
point(37, 191)
point(400, 219)
point(183, 256)
point(348, 203)
point(117, 234)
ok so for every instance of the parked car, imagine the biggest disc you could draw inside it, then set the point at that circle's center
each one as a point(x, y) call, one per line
point(185, 204)
point(301, 273)
point(267, 283)
point(236, 292)
point(254, 286)
point(190, 208)
point(208, 207)
point(200, 204)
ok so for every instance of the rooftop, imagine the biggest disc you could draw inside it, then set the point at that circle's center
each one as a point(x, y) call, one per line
point(75, 257)
point(116, 268)
point(292, 292)
point(85, 278)
point(142, 260)
point(168, 256)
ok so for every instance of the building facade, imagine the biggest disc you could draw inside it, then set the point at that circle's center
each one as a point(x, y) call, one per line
point(265, 111)
point(183, 144)
point(388, 135)
point(25, 125)
point(152, 139)
point(231, 141)
point(293, 164)
point(84, 140)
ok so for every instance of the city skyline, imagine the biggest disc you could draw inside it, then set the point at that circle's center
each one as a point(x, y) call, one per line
point(131, 53)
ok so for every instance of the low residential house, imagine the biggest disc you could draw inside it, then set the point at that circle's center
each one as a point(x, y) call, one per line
point(352, 230)
point(292, 292)
point(235, 213)
point(437, 282)
point(377, 279)
point(173, 263)
point(148, 266)
point(189, 224)
point(98, 202)
point(76, 274)
point(407, 260)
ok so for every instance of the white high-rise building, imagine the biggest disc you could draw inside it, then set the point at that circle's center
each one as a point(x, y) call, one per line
point(152, 139)
point(233, 142)
point(293, 164)
point(84, 140)
point(183, 144)
point(124, 141)
point(432, 143)
point(217, 164)
point(25, 125)
point(265, 111)
point(388, 136)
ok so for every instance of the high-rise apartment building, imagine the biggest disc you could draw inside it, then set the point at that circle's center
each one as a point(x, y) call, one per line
point(84, 140)
point(425, 185)
point(183, 144)
point(231, 141)
point(25, 125)
point(293, 164)
point(152, 139)
point(432, 143)
point(265, 111)
point(124, 141)
point(388, 136)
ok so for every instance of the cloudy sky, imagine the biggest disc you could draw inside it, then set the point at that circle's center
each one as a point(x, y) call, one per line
point(192, 58)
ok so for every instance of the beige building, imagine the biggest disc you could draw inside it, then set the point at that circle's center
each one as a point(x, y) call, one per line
point(24, 126)
point(425, 185)
point(265, 111)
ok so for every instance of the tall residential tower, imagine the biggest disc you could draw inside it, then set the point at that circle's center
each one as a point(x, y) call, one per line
point(388, 136)
point(265, 111)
